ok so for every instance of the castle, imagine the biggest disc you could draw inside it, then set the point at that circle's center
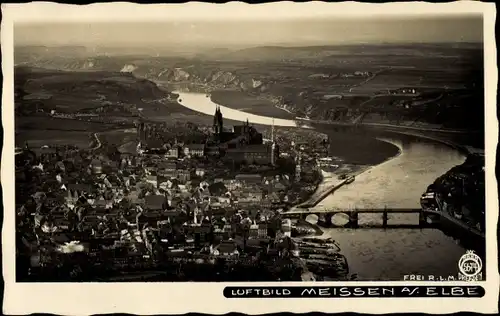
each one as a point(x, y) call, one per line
point(244, 134)
point(244, 144)
point(241, 145)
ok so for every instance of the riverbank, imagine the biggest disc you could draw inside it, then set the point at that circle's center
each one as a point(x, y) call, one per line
point(464, 149)
point(330, 180)
point(249, 103)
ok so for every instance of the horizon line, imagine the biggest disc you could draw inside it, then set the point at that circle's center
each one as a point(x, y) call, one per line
point(270, 45)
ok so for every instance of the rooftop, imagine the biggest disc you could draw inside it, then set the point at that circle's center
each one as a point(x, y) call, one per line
point(154, 201)
point(154, 143)
point(227, 247)
point(45, 150)
point(196, 146)
point(168, 165)
point(248, 177)
point(250, 149)
point(79, 187)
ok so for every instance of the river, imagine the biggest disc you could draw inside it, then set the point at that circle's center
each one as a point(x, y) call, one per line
point(376, 254)
point(202, 103)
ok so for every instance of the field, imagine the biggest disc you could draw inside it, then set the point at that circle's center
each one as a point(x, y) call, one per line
point(60, 124)
point(45, 130)
point(415, 78)
point(40, 137)
point(116, 100)
point(70, 92)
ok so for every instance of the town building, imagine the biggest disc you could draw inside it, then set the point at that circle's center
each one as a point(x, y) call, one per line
point(226, 249)
point(194, 150)
point(260, 154)
point(153, 144)
point(46, 153)
point(200, 172)
point(183, 175)
point(155, 202)
point(152, 180)
point(167, 169)
point(262, 232)
point(286, 227)
point(249, 178)
point(202, 233)
point(96, 166)
point(298, 168)
point(254, 231)
point(173, 152)
point(76, 191)
point(231, 184)
point(251, 194)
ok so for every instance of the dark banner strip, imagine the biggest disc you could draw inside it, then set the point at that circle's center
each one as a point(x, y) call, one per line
point(352, 291)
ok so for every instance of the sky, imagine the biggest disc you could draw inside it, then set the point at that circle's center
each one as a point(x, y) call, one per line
point(292, 32)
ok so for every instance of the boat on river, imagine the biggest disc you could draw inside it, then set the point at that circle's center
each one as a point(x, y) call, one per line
point(350, 180)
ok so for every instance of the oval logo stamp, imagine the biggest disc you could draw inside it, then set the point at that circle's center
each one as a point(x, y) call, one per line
point(470, 266)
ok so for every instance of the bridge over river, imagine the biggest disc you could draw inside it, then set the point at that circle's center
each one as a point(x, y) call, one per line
point(386, 218)
point(363, 218)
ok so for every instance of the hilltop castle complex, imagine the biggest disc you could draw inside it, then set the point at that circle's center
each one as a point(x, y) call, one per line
point(244, 144)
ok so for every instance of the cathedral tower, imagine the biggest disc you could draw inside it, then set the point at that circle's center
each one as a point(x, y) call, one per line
point(217, 126)
point(298, 168)
point(274, 147)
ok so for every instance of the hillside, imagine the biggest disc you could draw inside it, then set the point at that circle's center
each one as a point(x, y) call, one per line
point(280, 53)
point(65, 107)
point(72, 92)
point(438, 85)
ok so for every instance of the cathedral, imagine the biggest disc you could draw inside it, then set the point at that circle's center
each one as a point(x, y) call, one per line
point(240, 135)
point(244, 144)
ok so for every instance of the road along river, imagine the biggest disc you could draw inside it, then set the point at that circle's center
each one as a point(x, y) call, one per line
point(377, 254)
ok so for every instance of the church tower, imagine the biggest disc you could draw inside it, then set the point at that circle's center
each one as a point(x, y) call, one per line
point(217, 126)
point(298, 168)
point(274, 147)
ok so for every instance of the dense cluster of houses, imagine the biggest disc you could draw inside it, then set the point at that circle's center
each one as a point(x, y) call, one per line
point(141, 208)
point(461, 191)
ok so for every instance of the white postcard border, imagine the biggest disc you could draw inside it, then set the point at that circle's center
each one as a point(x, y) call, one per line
point(179, 298)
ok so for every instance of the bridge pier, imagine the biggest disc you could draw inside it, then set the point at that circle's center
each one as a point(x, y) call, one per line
point(421, 219)
point(327, 220)
point(353, 220)
point(385, 218)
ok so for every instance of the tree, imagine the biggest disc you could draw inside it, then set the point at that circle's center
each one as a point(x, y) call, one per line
point(125, 204)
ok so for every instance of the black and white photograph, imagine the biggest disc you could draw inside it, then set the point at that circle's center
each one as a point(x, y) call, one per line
point(326, 148)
